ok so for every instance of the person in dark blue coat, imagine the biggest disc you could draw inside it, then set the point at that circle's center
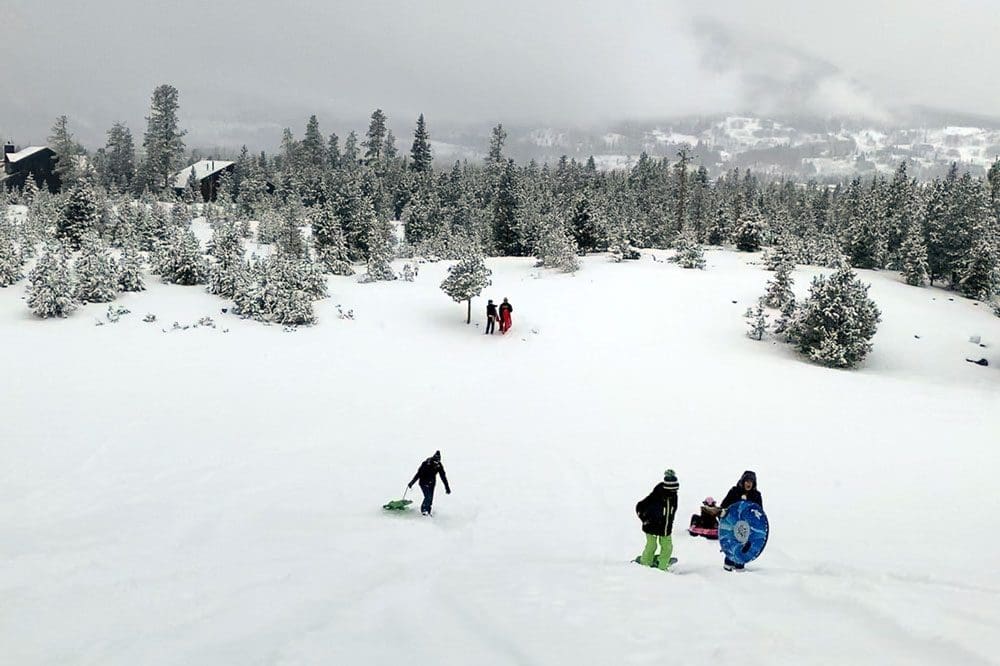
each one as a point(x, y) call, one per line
point(745, 490)
point(427, 475)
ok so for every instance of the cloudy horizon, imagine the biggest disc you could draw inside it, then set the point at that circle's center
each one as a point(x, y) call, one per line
point(247, 69)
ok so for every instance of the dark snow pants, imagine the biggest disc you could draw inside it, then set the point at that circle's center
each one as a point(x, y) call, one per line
point(491, 324)
point(428, 490)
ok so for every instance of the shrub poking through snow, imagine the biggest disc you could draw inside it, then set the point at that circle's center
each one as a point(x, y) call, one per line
point(96, 272)
point(688, 251)
point(756, 322)
point(466, 280)
point(51, 287)
point(836, 322)
point(280, 289)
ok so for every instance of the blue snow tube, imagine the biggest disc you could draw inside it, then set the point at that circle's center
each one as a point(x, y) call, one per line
point(743, 532)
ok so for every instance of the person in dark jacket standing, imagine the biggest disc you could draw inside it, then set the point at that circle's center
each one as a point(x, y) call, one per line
point(505, 310)
point(656, 512)
point(491, 317)
point(427, 475)
point(745, 490)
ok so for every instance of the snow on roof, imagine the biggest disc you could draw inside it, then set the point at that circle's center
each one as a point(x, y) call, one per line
point(24, 152)
point(202, 170)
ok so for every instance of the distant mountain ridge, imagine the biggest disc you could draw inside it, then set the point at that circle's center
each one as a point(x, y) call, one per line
point(804, 147)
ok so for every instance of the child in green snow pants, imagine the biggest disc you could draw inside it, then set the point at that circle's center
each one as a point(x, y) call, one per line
point(666, 548)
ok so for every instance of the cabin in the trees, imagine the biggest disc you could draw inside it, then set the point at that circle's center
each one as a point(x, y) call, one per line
point(38, 162)
point(204, 172)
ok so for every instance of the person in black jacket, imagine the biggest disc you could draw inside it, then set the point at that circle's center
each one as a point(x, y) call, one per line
point(656, 512)
point(427, 475)
point(744, 490)
point(491, 317)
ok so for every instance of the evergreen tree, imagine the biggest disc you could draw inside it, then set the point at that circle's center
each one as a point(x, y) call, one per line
point(980, 272)
point(180, 261)
point(381, 248)
point(163, 140)
point(421, 159)
point(555, 247)
point(11, 259)
point(79, 214)
point(466, 280)
point(688, 252)
point(718, 233)
point(351, 155)
point(374, 142)
point(835, 324)
point(119, 151)
point(914, 257)
point(66, 149)
point(749, 232)
point(779, 288)
point(757, 323)
point(51, 287)
point(130, 268)
point(422, 216)
point(96, 272)
point(226, 253)
point(505, 209)
point(329, 241)
point(333, 152)
point(313, 148)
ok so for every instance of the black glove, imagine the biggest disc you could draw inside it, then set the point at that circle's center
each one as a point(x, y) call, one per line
point(447, 491)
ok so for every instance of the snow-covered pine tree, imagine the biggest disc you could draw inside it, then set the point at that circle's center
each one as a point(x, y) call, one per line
point(913, 254)
point(163, 140)
point(51, 287)
point(226, 252)
point(836, 322)
point(329, 241)
point(96, 272)
point(688, 252)
point(421, 158)
point(180, 260)
point(30, 191)
point(980, 272)
point(718, 232)
point(11, 260)
point(786, 318)
point(779, 288)
point(79, 214)
point(130, 268)
point(381, 248)
point(778, 254)
point(67, 149)
point(756, 320)
point(555, 247)
point(749, 232)
point(466, 280)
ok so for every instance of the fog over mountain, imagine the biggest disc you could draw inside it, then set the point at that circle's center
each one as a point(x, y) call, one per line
point(248, 68)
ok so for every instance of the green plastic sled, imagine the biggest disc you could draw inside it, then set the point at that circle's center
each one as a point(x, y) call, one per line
point(397, 505)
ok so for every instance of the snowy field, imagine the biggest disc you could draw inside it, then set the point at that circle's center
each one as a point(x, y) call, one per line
point(212, 496)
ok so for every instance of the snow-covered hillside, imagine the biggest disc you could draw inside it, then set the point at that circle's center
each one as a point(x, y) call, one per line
point(212, 495)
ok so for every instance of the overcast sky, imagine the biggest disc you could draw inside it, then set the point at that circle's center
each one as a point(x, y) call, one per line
point(246, 68)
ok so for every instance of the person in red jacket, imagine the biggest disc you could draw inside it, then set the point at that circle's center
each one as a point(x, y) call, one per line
point(505, 309)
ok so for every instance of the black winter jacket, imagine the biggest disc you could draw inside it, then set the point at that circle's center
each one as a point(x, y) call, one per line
point(506, 306)
point(491, 311)
point(427, 474)
point(737, 493)
point(657, 510)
